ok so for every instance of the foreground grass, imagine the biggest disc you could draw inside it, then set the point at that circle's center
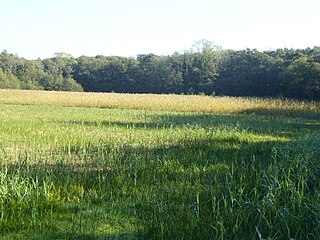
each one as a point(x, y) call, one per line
point(93, 173)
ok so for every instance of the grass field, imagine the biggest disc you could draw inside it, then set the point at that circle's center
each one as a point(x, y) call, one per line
point(125, 166)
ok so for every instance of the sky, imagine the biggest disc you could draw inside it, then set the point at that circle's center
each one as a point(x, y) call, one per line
point(39, 28)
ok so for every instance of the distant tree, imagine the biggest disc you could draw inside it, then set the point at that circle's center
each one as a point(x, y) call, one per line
point(200, 67)
point(302, 79)
point(62, 55)
point(59, 83)
point(69, 84)
point(205, 68)
point(149, 75)
point(88, 72)
point(8, 61)
point(8, 81)
point(30, 73)
point(248, 73)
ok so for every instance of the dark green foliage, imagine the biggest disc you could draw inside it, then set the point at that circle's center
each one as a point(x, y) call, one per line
point(205, 69)
point(8, 81)
point(302, 78)
point(248, 73)
point(49, 74)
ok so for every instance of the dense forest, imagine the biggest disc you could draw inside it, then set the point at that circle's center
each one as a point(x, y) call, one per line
point(204, 69)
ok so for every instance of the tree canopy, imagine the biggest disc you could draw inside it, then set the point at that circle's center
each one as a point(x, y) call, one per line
point(204, 69)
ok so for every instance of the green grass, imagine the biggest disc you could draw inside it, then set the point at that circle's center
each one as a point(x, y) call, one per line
point(94, 173)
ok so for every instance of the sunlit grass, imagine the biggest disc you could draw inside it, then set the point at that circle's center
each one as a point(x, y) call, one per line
point(181, 103)
point(73, 169)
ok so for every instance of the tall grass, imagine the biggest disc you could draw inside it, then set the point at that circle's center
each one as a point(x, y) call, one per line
point(96, 173)
point(180, 103)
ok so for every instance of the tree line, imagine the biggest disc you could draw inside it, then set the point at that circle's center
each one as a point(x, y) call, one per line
point(204, 69)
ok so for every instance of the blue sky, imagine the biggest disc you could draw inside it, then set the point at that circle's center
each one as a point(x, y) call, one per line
point(39, 28)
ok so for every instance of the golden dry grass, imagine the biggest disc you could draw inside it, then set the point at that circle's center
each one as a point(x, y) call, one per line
point(180, 103)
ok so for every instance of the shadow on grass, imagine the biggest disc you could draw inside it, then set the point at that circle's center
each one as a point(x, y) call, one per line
point(91, 162)
point(289, 113)
point(263, 125)
point(164, 187)
point(161, 188)
point(71, 236)
point(132, 183)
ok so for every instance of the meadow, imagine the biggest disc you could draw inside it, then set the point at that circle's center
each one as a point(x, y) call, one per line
point(129, 166)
